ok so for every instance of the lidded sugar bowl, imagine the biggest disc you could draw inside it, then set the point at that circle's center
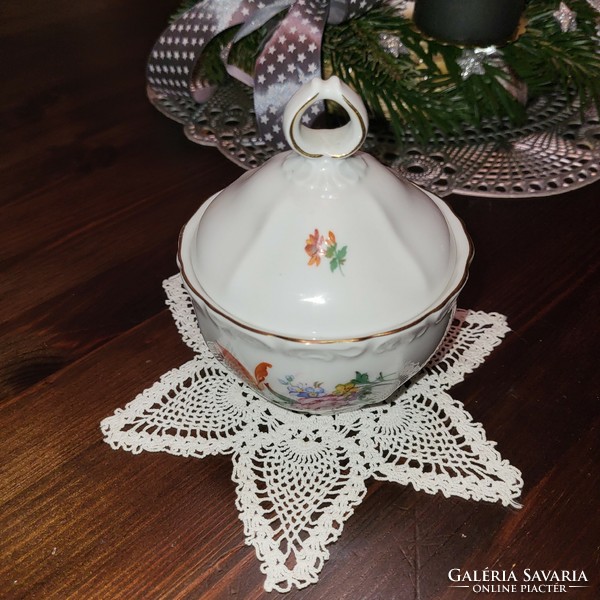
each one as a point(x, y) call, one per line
point(322, 279)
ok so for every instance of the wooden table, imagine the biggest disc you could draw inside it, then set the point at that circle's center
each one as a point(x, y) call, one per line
point(95, 187)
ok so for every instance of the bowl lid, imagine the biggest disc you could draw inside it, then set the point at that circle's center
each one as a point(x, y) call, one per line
point(323, 242)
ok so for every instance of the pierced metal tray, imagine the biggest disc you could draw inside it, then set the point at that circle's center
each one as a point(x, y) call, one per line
point(556, 150)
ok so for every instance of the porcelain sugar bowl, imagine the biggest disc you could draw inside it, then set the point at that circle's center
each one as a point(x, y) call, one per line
point(321, 279)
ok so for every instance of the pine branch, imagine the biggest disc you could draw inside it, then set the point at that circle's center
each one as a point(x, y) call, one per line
point(424, 89)
point(549, 59)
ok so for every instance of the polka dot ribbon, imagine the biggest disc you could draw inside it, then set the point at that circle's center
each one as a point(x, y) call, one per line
point(289, 57)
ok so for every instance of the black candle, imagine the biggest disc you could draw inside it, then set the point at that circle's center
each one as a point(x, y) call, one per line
point(469, 22)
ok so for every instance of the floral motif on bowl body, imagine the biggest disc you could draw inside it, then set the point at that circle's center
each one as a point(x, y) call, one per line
point(315, 397)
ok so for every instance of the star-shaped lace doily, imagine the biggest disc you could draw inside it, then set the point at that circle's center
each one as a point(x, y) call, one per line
point(299, 477)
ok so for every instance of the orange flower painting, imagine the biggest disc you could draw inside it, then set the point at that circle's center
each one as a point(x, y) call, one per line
point(261, 371)
point(315, 248)
point(318, 247)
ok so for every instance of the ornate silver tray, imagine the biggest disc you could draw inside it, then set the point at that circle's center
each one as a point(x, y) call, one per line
point(556, 150)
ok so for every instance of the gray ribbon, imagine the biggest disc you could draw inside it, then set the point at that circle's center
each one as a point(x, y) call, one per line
point(290, 57)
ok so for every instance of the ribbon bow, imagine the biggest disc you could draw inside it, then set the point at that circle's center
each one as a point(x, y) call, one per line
point(290, 57)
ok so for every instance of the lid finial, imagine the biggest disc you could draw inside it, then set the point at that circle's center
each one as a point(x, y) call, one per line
point(314, 143)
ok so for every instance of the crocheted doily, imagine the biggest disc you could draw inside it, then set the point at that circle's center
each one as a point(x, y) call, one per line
point(299, 477)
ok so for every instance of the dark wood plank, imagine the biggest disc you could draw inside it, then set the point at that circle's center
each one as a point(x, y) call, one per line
point(96, 186)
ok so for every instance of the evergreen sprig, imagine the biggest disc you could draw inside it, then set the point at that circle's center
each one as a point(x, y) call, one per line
point(549, 59)
point(423, 90)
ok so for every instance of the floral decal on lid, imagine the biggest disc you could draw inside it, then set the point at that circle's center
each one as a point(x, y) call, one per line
point(318, 246)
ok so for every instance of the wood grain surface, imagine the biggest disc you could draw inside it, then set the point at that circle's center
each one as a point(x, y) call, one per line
point(95, 185)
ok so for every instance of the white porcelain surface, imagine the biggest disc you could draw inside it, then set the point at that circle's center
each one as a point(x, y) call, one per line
point(324, 282)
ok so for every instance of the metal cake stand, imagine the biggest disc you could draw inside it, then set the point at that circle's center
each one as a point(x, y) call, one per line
point(557, 149)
